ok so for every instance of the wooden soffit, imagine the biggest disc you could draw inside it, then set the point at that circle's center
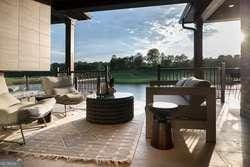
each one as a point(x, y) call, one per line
point(211, 11)
point(60, 16)
point(99, 5)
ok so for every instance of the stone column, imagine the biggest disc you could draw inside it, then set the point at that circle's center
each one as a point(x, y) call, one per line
point(198, 49)
point(69, 44)
point(245, 58)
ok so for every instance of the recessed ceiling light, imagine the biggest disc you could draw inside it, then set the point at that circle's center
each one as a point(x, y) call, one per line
point(231, 6)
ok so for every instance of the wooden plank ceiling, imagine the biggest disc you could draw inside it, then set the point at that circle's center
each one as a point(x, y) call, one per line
point(229, 10)
point(97, 5)
point(60, 16)
point(76, 8)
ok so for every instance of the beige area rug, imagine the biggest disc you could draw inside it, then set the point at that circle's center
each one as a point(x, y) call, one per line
point(75, 139)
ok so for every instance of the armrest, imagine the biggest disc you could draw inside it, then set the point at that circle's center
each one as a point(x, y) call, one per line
point(205, 92)
point(8, 116)
point(162, 83)
point(208, 93)
point(3, 111)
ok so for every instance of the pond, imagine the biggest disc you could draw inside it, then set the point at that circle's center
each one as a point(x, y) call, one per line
point(139, 90)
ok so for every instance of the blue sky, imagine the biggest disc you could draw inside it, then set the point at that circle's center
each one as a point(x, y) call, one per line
point(128, 31)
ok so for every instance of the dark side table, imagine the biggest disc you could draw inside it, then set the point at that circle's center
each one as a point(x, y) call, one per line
point(162, 133)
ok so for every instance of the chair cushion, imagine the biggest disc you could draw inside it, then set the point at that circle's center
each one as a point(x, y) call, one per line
point(195, 83)
point(7, 100)
point(70, 98)
point(63, 91)
point(179, 100)
point(181, 82)
point(40, 109)
point(49, 83)
point(13, 114)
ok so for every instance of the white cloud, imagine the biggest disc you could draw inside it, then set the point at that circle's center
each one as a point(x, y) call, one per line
point(225, 41)
point(138, 30)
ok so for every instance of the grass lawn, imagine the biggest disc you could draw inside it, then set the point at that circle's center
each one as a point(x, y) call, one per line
point(21, 80)
point(126, 77)
point(135, 77)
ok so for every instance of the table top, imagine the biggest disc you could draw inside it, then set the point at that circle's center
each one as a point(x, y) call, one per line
point(117, 95)
point(164, 105)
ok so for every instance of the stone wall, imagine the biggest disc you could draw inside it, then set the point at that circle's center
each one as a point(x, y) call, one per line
point(24, 35)
point(245, 58)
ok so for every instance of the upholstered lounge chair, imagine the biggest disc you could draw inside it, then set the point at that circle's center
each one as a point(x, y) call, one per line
point(14, 112)
point(196, 104)
point(63, 90)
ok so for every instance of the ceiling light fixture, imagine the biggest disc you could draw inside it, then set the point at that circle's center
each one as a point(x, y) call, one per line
point(231, 6)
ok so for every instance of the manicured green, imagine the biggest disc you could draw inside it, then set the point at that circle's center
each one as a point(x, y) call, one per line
point(21, 80)
point(133, 77)
point(126, 77)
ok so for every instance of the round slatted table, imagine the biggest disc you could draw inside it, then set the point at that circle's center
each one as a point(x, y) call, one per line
point(115, 109)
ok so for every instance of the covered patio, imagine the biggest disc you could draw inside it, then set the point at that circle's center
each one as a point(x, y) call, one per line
point(231, 148)
point(190, 147)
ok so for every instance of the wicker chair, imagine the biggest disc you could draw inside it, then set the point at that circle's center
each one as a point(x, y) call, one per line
point(63, 90)
point(15, 113)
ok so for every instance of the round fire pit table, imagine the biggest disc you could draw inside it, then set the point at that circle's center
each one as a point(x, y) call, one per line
point(115, 109)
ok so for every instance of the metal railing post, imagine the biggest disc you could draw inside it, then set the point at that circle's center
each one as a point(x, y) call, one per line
point(158, 72)
point(26, 82)
point(76, 83)
point(223, 81)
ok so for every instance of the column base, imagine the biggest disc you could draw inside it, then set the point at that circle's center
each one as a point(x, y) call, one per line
point(245, 114)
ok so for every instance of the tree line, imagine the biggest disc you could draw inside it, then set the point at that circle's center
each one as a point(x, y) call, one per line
point(153, 58)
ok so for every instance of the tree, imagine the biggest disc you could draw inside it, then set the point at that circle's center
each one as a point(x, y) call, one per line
point(181, 61)
point(237, 60)
point(167, 61)
point(153, 56)
point(138, 60)
point(162, 57)
point(113, 62)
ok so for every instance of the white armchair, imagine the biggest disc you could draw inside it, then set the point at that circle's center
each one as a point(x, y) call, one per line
point(63, 90)
point(15, 112)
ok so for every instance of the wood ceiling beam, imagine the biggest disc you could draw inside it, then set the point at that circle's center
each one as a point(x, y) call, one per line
point(211, 8)
point(97, 5)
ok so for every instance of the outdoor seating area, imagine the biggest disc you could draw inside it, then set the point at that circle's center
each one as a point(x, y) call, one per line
point(80, 109)
point(85, 140)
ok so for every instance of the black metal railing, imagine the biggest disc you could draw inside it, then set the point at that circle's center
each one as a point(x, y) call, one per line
point(84, 81)
point(224, 79)
point(174, 74)
point(221, 78)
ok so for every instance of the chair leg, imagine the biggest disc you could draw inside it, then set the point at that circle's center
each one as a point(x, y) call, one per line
point(4, 128)
point(65, 110)
point(44, 121)
point(21, 143)
point(21, 129)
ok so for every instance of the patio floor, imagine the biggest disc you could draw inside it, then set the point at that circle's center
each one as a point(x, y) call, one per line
point(232, 147)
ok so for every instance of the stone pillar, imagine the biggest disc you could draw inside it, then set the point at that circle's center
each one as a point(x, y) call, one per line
point(245, 59)
point(69, 45)
point(198, 49)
